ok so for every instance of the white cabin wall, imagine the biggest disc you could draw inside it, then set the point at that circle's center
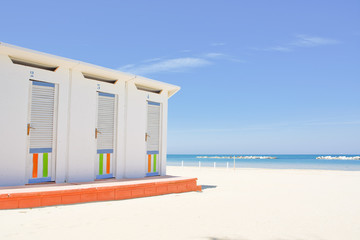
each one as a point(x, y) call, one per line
point(76, 121)
point(135, 132)
point(164, 119)
point(62, 123)
point(82, 142)
point(14, 93)
point(14, 103)
point(121, 131)
point(136, 120)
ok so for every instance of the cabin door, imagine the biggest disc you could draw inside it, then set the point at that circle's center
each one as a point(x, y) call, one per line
point(152, 138)
point(41, 132)
point(105, 135)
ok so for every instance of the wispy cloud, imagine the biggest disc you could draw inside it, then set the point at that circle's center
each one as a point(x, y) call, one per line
point(300, 41)
point(168, 65)
point(216, 44)
point(214, 55)
point(311, 41)
point(274, 49)
point(127, 66)
point(158, 65)
point(221, 56)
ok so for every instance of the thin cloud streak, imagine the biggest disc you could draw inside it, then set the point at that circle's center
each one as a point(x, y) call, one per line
point(274, 49)
point(216, 55)
point(169, 65)
point(158, 65)
point(311, 41)
point(301, 41)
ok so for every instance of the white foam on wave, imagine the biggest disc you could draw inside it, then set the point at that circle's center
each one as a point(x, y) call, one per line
point(238, 157)
point(339, 158)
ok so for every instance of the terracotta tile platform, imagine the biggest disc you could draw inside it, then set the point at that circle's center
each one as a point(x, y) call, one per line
point(49, 194)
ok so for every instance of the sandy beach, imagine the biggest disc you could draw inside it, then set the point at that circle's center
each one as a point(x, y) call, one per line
point(234, 204)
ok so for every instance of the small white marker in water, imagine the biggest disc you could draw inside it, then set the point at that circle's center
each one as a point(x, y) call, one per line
point(214, 164)
point(227, 164)
point(182, 163)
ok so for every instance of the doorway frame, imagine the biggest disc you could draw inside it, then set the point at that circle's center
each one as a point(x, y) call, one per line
point(114, 153)
point(147, 153)
point(29, 156)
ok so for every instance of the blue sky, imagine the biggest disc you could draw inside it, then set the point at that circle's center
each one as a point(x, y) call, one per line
point(257, 76)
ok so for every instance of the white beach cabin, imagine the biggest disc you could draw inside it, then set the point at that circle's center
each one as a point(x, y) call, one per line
point(63, 120)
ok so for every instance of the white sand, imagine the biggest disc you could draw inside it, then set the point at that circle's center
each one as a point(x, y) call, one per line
point(240, 204)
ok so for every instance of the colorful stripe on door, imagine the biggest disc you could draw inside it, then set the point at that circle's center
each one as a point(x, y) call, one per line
point(40, 168)
point(152, 165)
point(104, 166)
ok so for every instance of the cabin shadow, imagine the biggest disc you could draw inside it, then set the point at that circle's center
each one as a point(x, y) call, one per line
point(216, 238)
point(203, 187)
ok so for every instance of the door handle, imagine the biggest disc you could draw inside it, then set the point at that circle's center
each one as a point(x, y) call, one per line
point(28, 128)
point(96, 133)
point(146, 136)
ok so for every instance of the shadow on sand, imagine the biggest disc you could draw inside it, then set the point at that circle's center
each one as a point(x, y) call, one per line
point(203, 187)
point(216, 238)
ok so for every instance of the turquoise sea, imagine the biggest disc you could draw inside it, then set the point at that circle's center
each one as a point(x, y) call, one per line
point(281, 161)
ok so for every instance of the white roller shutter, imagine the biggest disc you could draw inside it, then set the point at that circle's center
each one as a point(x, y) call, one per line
point(42, 117)
point(153, 127)
point(106, 122)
